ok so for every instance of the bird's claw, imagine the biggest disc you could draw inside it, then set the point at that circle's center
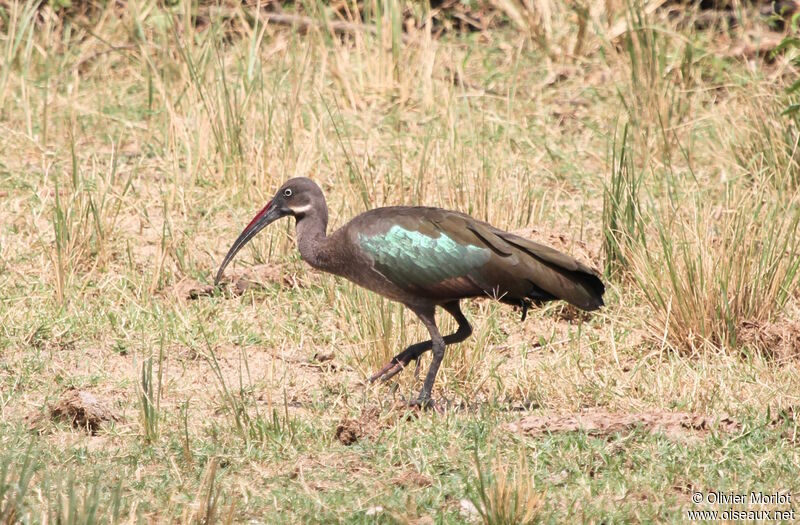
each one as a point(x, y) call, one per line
point(397, 364)
point(425, 403)
point(391, 369)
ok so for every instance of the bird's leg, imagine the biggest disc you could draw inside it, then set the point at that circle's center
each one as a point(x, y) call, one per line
point(427, 316)
point(413, 352)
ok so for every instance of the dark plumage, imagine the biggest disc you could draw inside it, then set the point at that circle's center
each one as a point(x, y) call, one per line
point(427, 257)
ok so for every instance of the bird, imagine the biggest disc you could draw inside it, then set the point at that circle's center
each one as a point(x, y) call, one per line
point(425, 257)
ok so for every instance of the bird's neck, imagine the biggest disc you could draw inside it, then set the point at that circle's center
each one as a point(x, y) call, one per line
point(312, 239)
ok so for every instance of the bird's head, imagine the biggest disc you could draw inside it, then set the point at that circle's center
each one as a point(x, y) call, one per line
point(298, 197)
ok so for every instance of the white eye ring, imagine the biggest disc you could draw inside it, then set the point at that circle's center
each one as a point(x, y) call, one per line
point(287, 192)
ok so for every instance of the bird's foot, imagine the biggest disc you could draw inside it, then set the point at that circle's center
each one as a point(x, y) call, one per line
point(397, 364)
point(425, 403)
point(389, 370)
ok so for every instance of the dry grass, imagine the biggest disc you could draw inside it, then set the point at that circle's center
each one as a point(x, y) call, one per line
point(135, 147)
point(505, 497)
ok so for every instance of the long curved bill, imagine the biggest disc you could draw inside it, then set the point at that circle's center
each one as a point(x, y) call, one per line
point(267, 215)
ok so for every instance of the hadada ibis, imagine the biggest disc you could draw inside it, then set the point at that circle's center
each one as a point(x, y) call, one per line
point(423, 258)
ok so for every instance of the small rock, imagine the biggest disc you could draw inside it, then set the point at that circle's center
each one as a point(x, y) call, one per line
point(372, 511)
point(468, 509)
point(559, 478)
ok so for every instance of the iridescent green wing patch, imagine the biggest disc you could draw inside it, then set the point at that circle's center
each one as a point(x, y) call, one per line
point(412, 258)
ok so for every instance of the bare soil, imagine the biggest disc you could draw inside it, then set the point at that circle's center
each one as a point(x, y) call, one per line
point(599, 422)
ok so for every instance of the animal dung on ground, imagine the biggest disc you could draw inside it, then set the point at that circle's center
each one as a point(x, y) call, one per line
point(412, 479)
point(245, 279)
point(321, 357)
point(189, 289)
point(349, 430)
point(778, 340)
point(82, 410)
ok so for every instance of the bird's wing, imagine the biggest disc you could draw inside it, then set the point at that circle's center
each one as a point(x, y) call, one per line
point(443, 254)
point(544, 253)
point(423, 255)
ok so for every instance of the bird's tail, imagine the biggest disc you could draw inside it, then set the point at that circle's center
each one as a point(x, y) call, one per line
point(555, 275)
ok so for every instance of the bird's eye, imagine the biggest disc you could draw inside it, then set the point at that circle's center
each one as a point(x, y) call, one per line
point(287, 192)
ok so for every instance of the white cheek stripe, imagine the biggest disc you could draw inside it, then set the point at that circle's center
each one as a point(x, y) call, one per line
point(302, 209)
